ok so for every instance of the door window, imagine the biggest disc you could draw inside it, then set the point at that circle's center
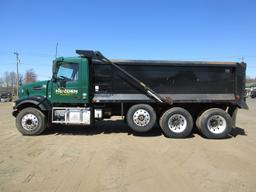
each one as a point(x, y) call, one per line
point(68, 71)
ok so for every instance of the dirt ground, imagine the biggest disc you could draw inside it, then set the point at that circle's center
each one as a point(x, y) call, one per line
point(110, 157)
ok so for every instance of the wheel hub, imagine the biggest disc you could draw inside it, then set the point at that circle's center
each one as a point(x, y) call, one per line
point(213, 122)
point(216, 124)
point(29, 122)
point(141, 117)
point(177, 123)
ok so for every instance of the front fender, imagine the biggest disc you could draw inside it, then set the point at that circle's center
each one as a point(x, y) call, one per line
point(39, 102)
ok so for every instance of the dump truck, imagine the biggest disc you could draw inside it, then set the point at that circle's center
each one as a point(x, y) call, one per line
point(176, 95)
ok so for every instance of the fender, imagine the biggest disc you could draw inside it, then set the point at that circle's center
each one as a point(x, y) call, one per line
point(41, 102)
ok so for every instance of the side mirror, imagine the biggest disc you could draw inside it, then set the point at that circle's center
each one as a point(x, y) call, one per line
point(54, 78)
point(63, 83)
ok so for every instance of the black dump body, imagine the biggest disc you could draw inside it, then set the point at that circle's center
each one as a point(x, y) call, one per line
point(183, 82)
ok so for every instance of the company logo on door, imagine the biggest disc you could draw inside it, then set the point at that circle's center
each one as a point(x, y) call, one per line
point(66, 92)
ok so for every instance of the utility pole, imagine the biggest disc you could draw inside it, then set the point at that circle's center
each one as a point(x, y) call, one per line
point(17, 72)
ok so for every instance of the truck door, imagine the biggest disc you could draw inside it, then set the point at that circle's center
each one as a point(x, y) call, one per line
point(71, 85)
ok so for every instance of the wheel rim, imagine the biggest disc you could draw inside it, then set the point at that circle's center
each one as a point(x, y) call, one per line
point(29, 122)
point(216, 124)
point(141, 117)
point(177, 123)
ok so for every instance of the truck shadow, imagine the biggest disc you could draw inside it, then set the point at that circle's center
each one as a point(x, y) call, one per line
point(234, 133)
point(238, 131)
point(104, 127)
point(119, 126)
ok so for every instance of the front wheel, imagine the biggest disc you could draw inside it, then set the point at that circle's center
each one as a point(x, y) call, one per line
point(30, 121)
point(176, 123)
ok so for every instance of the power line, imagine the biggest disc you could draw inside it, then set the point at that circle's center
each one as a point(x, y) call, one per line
point(44, 54)
point(29, 64)
point(37, 54)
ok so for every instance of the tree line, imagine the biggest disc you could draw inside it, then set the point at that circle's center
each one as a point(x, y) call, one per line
point(250, 79)
point(8, 80)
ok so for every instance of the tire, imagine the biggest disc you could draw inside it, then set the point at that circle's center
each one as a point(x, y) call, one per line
point(141, 117)
point(179, 116)
point(30, 121)
point(215, 123)
point(198, 119)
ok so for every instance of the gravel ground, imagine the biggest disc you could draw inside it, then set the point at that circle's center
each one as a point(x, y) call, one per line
point(110, 157)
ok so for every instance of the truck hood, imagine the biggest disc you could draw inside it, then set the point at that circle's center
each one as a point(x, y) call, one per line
point(38, 88)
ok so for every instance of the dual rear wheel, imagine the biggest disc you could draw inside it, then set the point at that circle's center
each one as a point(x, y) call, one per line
point(177, 122)
point(215, 123)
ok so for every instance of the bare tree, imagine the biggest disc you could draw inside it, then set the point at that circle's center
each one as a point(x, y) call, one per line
point(12, 76)
point(30, 76)
point(7, 80)
point(1, 82)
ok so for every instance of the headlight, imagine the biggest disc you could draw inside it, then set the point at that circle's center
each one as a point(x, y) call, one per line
point(13, 104)
point(21, 91)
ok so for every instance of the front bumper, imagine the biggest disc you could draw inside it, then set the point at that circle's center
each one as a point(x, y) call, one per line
point(15, 112)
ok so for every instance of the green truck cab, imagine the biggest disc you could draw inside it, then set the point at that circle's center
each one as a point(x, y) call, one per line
point(175, 94)
point(68, 87)
point(69, 83)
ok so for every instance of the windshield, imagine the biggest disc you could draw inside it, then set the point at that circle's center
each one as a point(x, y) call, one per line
point(68, 71)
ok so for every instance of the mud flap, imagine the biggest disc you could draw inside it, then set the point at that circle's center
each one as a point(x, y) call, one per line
point(232, 111)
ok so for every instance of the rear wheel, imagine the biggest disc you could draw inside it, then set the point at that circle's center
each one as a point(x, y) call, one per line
point(176, 123)
point(141, 117)
point(30, 121)
point(215, 123)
